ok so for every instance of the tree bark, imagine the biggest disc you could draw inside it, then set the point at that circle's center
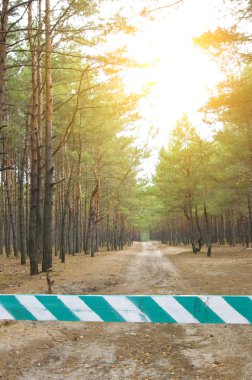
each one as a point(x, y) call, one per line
point(208, 233)
point(39, 206)
point(9, 199)
point(3, 54)
point(63, 220)
point(47, 220)
point(94, 203)
point(32, 249)
point(1, 218)
point(21, 209)
point(198, 249)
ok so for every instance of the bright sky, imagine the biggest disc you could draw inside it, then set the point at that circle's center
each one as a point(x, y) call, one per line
point(182, 74)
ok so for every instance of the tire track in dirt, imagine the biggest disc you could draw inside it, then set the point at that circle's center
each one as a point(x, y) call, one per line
point(127, 351)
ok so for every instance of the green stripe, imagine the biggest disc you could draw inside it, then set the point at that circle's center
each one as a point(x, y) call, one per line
point(242, 305)
point(198, 309)
point(102, 308)
point(16, 309)
point(149, 307)
point(57, 308)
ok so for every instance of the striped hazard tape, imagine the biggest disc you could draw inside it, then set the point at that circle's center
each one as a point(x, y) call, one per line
point(130, 308)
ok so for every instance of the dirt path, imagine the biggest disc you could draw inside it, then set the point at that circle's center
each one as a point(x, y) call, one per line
point(149, 272)
point(34, 350)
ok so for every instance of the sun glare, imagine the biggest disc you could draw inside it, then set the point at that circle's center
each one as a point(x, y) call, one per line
point(182, 74)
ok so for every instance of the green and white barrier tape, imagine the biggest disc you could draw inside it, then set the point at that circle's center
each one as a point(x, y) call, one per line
point(127, 308)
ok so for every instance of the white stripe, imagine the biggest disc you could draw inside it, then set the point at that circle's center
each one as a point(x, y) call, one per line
point(127, 309)
point(36, 308)
point(222, 308)
point(175, 309)
point(4, 314)
point(79, 308)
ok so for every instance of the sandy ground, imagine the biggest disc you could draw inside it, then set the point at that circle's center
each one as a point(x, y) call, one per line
point(53, 350)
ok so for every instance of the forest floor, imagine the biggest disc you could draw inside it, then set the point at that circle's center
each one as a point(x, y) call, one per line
point(113, 351)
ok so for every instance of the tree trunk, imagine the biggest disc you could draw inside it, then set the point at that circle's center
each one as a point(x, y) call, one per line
point(39, 207)
point(3, 53)
point(21, 210)
point(47, 220)
point(94, 204)
point(198, 249)
point(63, 221)
point(9, 200)
point(189, 216)
point(32, 249)
point(1, 218)
point(6, 229)
point(91, 231)
point(208, 233)
point(250, 218)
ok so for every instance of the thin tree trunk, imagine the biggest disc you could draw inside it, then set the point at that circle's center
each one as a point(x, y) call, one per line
point(93, 210)
point(208, 233)
point(250, 218)
point(32, 249)
point(6, 229)
point(39, 207)
point(10, 200)
point(47, 220)
point(21, 209)
point(63, 220)
point(27, 216)
point(3, 54)
point(199, 230)
point(1, 218)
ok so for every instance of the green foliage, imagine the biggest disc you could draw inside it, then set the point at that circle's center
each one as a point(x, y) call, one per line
point(220, 38)
point(230, 44)
point(142, 207)
point(216, 173)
